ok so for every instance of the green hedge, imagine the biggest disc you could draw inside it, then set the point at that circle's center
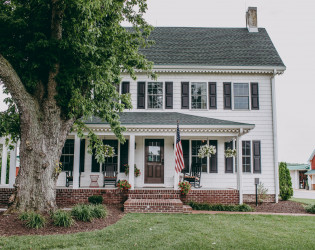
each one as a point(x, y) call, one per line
point(220, 207)
point(285, 184)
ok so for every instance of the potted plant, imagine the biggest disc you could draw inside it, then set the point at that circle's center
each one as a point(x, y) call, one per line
point(230, 153)
point(136, 171)
point(123, 185)
point(206, 151)
point(184, 187)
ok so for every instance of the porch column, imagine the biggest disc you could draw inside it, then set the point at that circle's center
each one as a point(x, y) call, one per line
point(176, 175)
point(239, 168)
point(132, 161)
point(12, 171)
point(76, 162)
point(4, 164)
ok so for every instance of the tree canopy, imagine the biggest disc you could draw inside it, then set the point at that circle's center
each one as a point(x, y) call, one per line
point(88, 51)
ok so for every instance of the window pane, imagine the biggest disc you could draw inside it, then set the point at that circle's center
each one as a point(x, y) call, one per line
point(241, 96)
point(154, 152)
point(198, 95)
point(155, 95)
point(246, 156)
point(195, 159)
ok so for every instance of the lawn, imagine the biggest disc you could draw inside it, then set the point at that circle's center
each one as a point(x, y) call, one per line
point(180, 231)
point(304, 201)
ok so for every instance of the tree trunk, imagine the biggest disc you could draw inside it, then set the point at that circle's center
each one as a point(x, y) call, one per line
point(42, 140)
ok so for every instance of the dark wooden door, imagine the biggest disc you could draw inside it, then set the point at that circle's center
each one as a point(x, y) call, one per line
point(154, 161)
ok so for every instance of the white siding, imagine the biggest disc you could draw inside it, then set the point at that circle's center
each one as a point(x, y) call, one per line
point(262, 119)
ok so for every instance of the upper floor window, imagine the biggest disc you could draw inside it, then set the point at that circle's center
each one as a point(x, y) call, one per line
point(155, 95)
point(241, 95)
point(199, 95)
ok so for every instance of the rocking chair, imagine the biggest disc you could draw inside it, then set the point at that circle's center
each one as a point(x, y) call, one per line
point(194, 176)
point(110, 174)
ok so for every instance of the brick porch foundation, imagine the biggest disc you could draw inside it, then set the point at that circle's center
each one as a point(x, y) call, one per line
point(68, 197)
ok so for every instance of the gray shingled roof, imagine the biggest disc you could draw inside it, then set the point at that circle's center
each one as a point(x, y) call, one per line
point(165, 118)
point(212, 47)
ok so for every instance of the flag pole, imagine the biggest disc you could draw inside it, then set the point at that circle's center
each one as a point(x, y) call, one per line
point(176, 175)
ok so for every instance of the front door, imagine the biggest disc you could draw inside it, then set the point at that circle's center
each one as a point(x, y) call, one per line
point(154, 161)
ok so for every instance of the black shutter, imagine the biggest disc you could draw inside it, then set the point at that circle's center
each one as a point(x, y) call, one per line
point(95, 164)
point(257, 156)
point(229, 160)
point(255, 95)
point(168, 95)
point(124, 151)
point(212, 95)
point(125, 87)
point(185, 146)
point(82, 155)
point(214, 158)
point(141, 95)
point(227, 95)
point(185, 95)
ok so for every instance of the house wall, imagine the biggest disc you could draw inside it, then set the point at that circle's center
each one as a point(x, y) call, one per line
point(262, 118)
point(295, 178)
point(313, 163)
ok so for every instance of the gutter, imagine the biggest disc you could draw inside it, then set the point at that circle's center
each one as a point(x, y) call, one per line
point(275, 134)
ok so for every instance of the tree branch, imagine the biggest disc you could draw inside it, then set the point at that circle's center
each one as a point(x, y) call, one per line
point(13, 83)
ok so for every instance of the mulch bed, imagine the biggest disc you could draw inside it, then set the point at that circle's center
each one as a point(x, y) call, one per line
point(291, 207)
point(11, 225)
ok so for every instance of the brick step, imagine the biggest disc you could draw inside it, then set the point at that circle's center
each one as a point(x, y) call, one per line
point(154, 196)
point(153, 206)
point(187, 209)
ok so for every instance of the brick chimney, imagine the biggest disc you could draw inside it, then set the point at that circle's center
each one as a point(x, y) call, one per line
point(251, 19)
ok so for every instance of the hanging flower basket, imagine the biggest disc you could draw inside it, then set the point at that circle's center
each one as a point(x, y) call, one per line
point(230, 153)
point(206, 151)
point(137, 170)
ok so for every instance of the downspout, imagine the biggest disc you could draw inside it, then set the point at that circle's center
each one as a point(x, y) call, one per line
point(275, 134)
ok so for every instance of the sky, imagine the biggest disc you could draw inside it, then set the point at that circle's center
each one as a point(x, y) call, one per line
point(291, 26)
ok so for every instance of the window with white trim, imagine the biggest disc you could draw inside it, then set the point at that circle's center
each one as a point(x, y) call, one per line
point(195, 146)
point(67, 155)
point(155, 95)
point(198, 95)
point(246, 157)
point(241, 96)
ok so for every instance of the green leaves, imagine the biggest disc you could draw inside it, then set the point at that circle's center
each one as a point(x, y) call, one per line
point(90, 57)
point(286, 190)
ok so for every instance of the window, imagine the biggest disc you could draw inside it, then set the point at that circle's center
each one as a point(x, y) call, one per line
point(154, 151)
point(241, 96)
point(155, 95)
point(199, 95)
point(246, 159)
point(67, 155)
point(194, 154)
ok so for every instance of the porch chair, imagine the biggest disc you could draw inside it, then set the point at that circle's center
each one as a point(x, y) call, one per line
point(110, 174)
point(69, 178)
point(194, 176)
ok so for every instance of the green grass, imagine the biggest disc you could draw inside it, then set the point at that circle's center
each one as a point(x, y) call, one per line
point(181, 231)
point(304, 201)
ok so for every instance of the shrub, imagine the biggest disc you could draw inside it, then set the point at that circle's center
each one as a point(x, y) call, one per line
point(220, 207)
point(310, 209)
point(96, 199)
point(262, 192)
point(285, 184)
point(33, 220)
point(23, 216)
point(82, 212)
point(62, 219)
point(98, 211)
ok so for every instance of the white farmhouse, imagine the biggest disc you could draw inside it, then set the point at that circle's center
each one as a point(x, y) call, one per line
point(219, 83)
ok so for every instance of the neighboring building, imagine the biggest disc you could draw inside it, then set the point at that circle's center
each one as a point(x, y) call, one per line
point(220, 84)
point(311, 172)
point(298, 175)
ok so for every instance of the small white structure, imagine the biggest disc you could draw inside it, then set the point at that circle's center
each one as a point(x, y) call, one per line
point(311, 172)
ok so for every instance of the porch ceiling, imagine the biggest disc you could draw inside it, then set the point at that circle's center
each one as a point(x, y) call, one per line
point(169, 118)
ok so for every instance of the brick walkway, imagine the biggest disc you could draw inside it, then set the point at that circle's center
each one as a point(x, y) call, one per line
point(252, 213)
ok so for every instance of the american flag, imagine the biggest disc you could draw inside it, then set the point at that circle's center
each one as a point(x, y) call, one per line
point(179, 158)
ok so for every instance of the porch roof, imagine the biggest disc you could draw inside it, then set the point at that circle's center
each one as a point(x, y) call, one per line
point(168, 118)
